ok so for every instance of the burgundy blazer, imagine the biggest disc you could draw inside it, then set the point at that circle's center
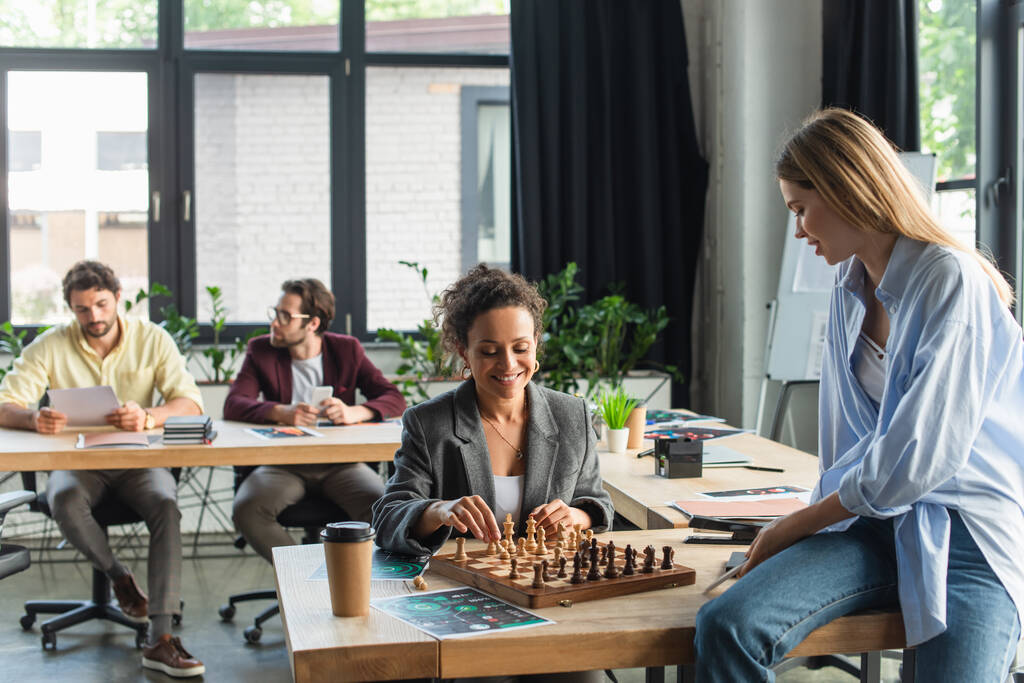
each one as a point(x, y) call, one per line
point(268, 370)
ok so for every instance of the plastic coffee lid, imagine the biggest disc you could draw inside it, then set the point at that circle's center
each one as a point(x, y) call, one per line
point(348, 532)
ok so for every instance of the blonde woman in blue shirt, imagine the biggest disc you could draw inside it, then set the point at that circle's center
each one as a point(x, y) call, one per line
point(921, 434)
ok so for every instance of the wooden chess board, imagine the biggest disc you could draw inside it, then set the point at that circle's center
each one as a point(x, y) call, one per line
point(490, 573)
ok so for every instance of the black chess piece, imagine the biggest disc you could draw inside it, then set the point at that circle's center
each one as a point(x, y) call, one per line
point(630, 557)
point(561, 567)
point(666, 560)
point(585, 554)
point(545, 574)
point(577, 566)
point(594, 574)
point(648, 560)
point(512, 573)
point(604, 555)
point(538, 578)
point(611, 571)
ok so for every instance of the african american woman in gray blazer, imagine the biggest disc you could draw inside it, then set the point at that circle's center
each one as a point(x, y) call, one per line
point(498, 444)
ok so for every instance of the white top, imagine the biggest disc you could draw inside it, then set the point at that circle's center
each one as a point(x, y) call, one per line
point(306, 376)
point(869, 366)
point(508, 498)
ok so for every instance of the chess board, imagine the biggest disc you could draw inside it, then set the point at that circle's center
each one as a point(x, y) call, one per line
point(489, 573)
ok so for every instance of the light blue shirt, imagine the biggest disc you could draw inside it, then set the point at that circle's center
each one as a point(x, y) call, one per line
point(948, 432)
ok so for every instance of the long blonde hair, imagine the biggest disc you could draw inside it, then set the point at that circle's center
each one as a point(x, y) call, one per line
point(857, 172)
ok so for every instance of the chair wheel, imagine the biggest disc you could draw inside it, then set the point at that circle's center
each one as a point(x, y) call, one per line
point(227, 612)
point(49, 641)
point(176, 619)
point(253, 633)
point(140, 639)
point(27, 621)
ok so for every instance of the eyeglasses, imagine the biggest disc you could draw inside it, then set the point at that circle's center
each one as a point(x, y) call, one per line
point(283, 317)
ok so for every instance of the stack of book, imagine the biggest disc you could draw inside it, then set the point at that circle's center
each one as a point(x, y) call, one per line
point(189, 429)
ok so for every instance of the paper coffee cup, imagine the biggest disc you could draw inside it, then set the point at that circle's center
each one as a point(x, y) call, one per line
point(348, 552)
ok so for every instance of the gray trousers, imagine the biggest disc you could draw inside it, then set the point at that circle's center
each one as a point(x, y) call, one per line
point(269, 489)
point(153, 494)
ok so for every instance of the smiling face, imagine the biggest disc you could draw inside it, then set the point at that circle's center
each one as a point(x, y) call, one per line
point(831, 236)
point(501, 351)
point(95, 309)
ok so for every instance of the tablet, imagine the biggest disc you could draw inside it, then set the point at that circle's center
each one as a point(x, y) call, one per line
point(86, 406)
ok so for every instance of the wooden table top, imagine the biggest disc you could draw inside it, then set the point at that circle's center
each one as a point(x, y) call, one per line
point(366, 442)
point(640, 630)
point(642, 497)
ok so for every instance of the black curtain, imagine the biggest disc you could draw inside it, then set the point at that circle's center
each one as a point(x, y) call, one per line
point(869, 64)
point(606, 167)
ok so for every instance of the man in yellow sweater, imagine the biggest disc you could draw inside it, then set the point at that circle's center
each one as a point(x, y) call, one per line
point(100, 347)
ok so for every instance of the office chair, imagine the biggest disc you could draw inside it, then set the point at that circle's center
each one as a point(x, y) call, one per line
point(108, 512)
point(13, 558)
point(311, 513)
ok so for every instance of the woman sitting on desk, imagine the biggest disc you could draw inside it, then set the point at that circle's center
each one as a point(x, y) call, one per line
point(498, 444)
point(922, 442)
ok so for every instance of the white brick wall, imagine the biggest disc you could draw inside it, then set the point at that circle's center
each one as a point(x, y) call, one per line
point(413, 185)
point(262, 187)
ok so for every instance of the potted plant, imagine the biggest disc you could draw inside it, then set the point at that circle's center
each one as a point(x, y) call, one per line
point(423, 357)
point(598, 342)
point(615, 407)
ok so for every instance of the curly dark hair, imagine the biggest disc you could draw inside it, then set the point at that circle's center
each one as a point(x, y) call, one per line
point(86, 275)
point(483, 289)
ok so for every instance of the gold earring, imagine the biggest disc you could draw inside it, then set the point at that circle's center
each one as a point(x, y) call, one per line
point(536, 366)
point(466, 372)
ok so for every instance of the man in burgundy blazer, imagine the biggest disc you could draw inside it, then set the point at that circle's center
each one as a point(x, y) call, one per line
point(285, 366)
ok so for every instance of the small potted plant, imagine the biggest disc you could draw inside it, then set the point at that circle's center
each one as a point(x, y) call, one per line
point(615, 408)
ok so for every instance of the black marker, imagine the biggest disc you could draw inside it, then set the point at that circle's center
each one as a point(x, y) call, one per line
point(764, 469)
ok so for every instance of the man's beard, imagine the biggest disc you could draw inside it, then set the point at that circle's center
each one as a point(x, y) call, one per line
point(107, 324)
point(283, 342)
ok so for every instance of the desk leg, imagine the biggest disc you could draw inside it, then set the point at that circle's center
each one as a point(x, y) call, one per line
point(908, 670)
point(685, 673)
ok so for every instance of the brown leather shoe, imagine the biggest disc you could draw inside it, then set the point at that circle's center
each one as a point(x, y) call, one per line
point(168, 655)
point(130, 597)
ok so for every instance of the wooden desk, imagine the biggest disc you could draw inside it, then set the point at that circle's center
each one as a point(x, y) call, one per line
point(639, 630)
point(368, 442)
point(640, 496)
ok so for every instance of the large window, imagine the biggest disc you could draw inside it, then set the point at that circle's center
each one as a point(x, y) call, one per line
point(947, 73)
point(247, 142)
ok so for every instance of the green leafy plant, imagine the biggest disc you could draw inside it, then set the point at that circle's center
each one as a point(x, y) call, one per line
point(222, 358)
point(182, 329)
point(422, 353)
point(600, 342)
point(11, 341)
point(615, 407)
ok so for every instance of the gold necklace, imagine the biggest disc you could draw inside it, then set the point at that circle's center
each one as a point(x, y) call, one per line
point(519, 451)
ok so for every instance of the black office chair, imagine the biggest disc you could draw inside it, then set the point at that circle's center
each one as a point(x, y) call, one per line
point(310, 514)
point(13, 558)
point(108, 512)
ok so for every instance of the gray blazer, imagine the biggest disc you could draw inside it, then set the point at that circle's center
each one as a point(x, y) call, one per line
point(444, 456)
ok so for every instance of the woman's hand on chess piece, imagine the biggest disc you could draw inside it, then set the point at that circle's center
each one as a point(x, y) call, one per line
point(549, 515)
point(467, 514)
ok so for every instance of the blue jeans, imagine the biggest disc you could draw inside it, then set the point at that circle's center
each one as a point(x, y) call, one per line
point(751, 627)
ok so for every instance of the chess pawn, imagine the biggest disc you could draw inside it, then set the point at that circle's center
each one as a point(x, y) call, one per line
point(604, 556)
point(542, 548)
point(521, 550)
point(492, 548)
point(590, 535)
point(460, 550)
point(667, 555)
point(558, 553)
point(545, 574)
point(513, 572)
point(584, 552)
point(578, 528)
point(561, 566)
point(538, 579)
point(560, 534)
point(504, 549)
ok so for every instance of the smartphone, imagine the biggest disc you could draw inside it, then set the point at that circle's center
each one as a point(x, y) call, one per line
point(321, 394)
